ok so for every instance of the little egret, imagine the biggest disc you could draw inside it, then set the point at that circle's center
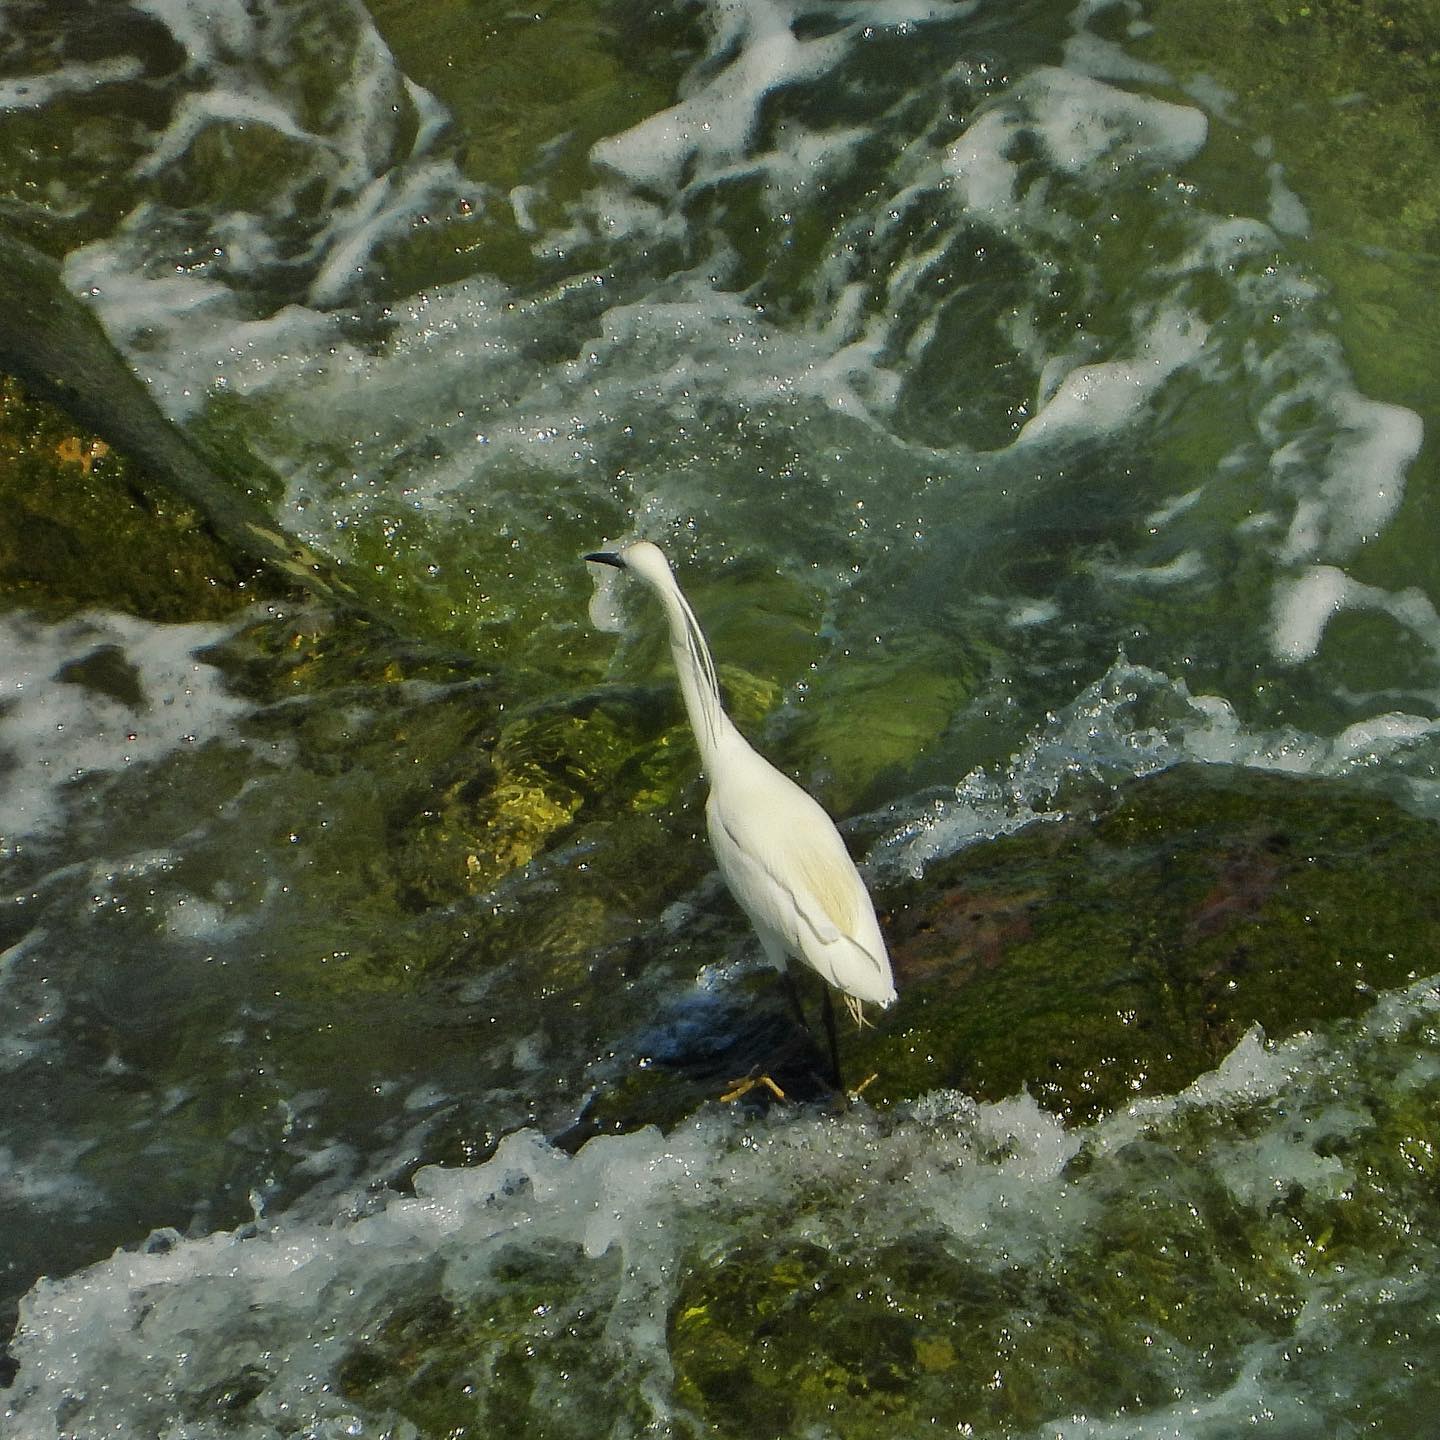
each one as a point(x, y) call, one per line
point(778, 851)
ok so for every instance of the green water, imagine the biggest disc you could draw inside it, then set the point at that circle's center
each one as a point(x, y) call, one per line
point(1031, 399)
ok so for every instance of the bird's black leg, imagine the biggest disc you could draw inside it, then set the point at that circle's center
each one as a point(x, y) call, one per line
point(829, 1014)
point(792, 993)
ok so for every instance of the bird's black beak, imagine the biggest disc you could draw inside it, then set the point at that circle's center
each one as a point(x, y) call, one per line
point(607, 557)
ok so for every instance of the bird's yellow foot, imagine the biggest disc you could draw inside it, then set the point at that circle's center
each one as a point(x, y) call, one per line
point(755, 1082)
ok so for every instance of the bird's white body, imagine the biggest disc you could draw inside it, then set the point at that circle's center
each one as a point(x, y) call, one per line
point(788, 868)
point(778, 851)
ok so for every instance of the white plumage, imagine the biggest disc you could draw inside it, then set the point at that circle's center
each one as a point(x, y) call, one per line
point(778, 851)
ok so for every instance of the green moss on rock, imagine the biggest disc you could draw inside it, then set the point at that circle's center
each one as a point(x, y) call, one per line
point(1100, 959)
point(467, 1367)
point(80, 525)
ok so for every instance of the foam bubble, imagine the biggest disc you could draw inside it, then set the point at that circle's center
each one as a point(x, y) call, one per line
point(1306, 603)
point(34, 92)
point(1304, 606)
point(984, 175)
point(1363, 478)
point(1095, 398)
point(1033, 612)
point(1081, 121)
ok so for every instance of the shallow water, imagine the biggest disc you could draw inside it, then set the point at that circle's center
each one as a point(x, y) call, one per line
point(984, 380)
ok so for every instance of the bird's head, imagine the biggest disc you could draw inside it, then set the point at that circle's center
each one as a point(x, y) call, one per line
point(643, 559)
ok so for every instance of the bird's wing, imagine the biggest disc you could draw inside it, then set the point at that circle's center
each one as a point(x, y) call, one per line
point(788, 867)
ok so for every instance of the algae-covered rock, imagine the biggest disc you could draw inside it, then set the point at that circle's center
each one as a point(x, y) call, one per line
point(1101, 958)
point(779, 1336)
point(57, 347)
point(966, 1269)
point(524, 787)
point(466, 1366)
point(80, 525)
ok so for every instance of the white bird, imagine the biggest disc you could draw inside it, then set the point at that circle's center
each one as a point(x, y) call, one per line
point(777, 850)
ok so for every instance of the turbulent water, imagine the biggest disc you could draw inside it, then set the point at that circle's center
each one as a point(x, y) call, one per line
point(987, 356)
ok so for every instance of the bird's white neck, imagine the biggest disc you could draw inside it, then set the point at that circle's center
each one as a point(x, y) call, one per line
point(699, 686)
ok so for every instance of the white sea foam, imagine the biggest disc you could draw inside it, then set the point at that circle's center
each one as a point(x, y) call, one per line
point(1361, 481)
point(1136, 721)
point(34, 92)
point(1304, 607)
point(1087, 54)
point(1092, 399)
point(55, 730)
point(711, 128)
point(204, 31)
point(1209, 93)
point(196, 113)
point(188, 320)
point(1033, 612)
point(1156, 519)
point(144, 1335)
point(382, 209)
point(32, 1030)
point(47, 1178)
point(1306, 603)
point(984, 176)
point(1081, 122)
